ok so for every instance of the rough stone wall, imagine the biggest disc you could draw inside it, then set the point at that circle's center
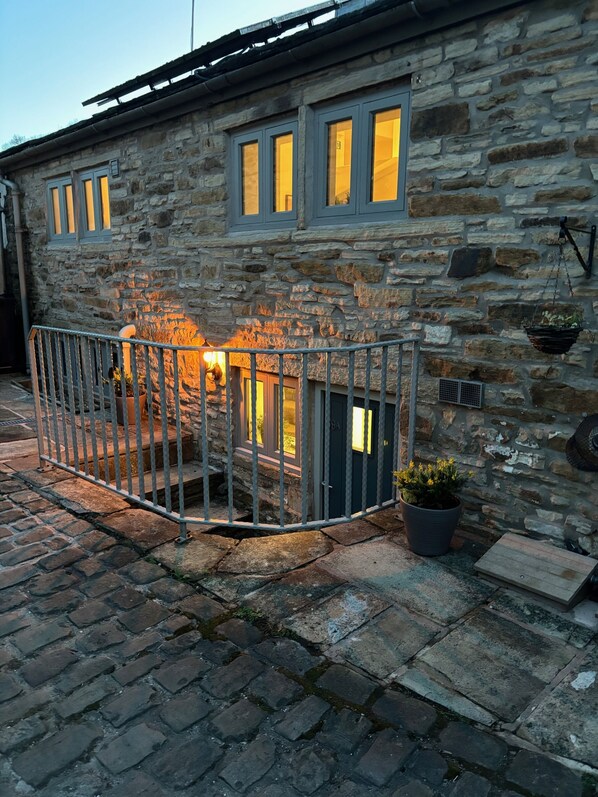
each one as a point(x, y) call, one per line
point(504, 140)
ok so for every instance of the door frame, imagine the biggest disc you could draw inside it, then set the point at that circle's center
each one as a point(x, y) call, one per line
point(318, 431)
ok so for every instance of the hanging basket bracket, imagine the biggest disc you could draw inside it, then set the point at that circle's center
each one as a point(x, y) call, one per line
point(565, 232)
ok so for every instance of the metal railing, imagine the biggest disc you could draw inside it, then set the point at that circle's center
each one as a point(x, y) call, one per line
point(282, 440)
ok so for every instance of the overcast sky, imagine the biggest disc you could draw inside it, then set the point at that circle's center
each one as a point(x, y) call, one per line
point(56, 53)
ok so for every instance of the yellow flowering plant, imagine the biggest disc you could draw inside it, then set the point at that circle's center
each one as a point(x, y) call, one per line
point(431, 486)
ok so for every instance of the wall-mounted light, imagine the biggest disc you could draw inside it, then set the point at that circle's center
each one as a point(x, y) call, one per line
point(215, 362)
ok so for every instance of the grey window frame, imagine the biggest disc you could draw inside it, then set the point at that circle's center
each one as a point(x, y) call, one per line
point(98, 233)
point(266, 218)
point(361, 111)
point(268, 452)
point(60, 185)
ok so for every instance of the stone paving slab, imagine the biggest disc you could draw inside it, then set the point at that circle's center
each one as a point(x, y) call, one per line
point(567, 719)
point(386, 642)
point(197, 557)
point(285, 596)
point(512, 664)
point(409, 580)
point(145, 529)
point(277, 554)
point(83, 498)
point(336, 616)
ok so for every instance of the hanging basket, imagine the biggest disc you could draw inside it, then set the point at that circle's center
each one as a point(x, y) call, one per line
point(552, 340)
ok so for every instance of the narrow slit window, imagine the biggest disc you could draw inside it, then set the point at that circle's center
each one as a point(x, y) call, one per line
point(70, 208)
point(56, 222)
point(340, 141)
point(386, 136)
point(90, 221)
point(282, 158)
point(289, 421)
point(104, 202)
point(360, 442)
point(250, 192)
point(259, 412)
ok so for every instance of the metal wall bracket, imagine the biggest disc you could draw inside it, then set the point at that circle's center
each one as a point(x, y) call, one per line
point(565, 232)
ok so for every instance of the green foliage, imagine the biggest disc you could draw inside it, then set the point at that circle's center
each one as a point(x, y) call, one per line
point(564, 319)
point(431, 486)
point(120, 380)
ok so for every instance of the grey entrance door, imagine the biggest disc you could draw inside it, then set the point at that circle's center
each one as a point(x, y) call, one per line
point(361, 447)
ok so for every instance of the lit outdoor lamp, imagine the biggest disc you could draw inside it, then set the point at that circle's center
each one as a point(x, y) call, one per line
point(214, 361)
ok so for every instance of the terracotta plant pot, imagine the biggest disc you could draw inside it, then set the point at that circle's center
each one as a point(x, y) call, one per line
point(120, 410)
point(552, 340)
point(429, 531)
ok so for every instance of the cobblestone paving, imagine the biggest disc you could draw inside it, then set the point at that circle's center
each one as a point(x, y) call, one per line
point(117, 680)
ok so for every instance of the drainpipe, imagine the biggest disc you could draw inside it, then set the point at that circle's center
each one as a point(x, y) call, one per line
point(16, 207)
point(128, 331)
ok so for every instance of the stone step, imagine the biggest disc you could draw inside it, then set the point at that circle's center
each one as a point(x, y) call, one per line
point(193, 484)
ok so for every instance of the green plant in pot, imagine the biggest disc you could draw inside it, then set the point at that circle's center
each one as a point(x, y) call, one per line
point(122, 384)
point(556, 330)
point(430, 505)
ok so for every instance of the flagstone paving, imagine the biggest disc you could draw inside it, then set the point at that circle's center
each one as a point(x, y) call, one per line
point(123, 675)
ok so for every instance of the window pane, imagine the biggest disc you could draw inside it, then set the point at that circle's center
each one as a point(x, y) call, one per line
point(385, 155)
point(70, 210)
point(338, 187)
point(259, 412)
point(250, 194)
point(358, 434)
point(283, 173)
point(90, 221)
point(104, 202)
point(56, 225)
point(289, 431)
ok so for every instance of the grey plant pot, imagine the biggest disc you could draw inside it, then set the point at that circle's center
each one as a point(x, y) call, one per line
point(429, 531)
point(120, 411)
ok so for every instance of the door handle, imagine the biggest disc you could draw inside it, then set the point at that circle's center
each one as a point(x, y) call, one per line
point(325, 485)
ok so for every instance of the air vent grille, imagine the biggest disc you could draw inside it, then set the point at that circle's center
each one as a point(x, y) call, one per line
point(458, 391)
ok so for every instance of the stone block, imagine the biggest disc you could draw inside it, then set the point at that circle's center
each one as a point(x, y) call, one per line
point(275, 689)
point(240, 632)
point(302, 718)
point(38, 636)
point(52, 755)
point(470, 785)
point(238, 722)
point(47, 666)
point(131, 748)
point(385, 757)
point(90, 612)
point(184, 711)
point(344, 731)
point(85, 698)
point(347, 684)
point(21, 734)
point(241, 770)
point(181, 765)
point(227, 681)
point(470, 261)
point(181, 673)
point(201, 608)
point(404, 711)
point(132, 702)
point(453, 205)
point(476, 747)
point(137, 669)
point(143, 616)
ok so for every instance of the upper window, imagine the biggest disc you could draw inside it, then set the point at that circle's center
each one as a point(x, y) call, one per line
point(264, 169)
point(274, 424)
point(79, 206)
point(95, 203)
point(61, 209)
point(360, 162)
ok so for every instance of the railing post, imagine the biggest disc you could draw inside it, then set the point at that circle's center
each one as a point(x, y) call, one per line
point(413, 400)
point(36, 399)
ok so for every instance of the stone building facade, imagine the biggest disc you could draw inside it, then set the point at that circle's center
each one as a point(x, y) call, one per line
point(503, 140)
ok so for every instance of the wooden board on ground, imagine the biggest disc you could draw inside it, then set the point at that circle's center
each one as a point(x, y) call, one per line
point(538, 567)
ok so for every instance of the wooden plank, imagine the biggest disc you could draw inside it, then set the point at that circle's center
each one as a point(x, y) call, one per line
point(538, 567)
point(546, 550)
point(554, 571)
